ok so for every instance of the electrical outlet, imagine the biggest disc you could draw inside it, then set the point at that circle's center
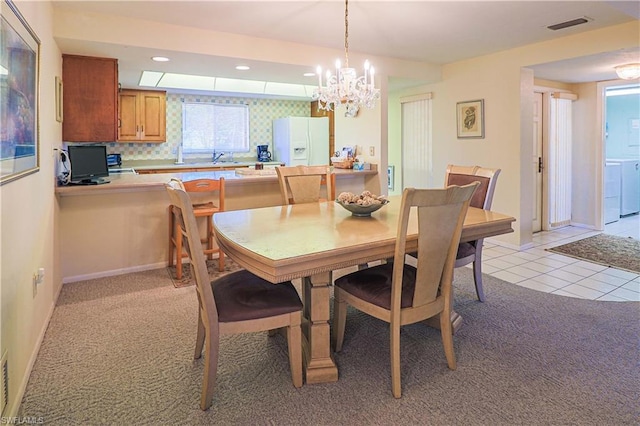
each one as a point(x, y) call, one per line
point(372, 151)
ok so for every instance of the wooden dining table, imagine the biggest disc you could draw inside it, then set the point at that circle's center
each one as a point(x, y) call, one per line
point(311, 241)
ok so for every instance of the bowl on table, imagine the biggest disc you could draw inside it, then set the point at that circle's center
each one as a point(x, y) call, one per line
point(360, 210)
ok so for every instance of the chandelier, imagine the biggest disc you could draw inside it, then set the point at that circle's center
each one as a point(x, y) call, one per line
point(628, 71)
point(345, 87)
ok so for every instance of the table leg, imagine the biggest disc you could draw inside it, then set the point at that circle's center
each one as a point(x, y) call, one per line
point(316, 342)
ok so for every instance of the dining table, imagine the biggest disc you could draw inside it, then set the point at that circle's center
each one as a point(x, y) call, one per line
point(313, 241)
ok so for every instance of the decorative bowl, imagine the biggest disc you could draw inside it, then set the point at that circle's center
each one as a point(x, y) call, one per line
point(362, 211)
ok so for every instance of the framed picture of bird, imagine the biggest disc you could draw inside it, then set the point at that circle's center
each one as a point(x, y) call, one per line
point(470, 119)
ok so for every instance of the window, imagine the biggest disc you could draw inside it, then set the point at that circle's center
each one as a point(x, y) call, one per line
point(210, 127)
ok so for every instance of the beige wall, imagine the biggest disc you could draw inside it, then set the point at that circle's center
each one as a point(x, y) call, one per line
point(28, 226)
point(506, 89)
point(30, 213)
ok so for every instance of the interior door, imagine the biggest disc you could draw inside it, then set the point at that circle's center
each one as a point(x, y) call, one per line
point(537, 162)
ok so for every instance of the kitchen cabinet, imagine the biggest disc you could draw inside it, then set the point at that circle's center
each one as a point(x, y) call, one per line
point(90, 99)
point(142, 116)
point(315, 112)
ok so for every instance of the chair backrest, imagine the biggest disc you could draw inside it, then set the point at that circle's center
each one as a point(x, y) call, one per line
point(302, 184)
point(440, 215)
point(463, 175)
point(207, 185)
point(186, 219)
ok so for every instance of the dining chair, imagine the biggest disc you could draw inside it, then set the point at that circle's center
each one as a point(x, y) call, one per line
point(399, 293)
point(471, 251)
point(239, 302)
point(303, 184)
point(207, 210)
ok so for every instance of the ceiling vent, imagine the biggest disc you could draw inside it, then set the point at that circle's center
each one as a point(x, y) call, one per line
point(571, 23)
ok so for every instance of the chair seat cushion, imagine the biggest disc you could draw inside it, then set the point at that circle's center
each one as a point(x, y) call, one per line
point(374, 285)
point(243, 296)
point(465, 250)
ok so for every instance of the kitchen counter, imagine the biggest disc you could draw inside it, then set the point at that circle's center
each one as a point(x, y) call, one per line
point(122, 226)
point(130, 182)
point(145, 165)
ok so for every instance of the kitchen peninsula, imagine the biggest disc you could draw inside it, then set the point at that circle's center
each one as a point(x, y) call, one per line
point(122, 226)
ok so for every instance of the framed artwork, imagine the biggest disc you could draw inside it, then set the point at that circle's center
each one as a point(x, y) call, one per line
point(19, 95)
point(470, 119)
point(390, 177)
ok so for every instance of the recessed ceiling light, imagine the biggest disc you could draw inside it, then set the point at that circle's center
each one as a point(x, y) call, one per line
point(309, 74)
point(242, 68)
point(160, 59)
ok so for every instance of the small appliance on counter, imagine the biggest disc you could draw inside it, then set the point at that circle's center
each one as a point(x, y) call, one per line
point(114, 160)
point(263, 153)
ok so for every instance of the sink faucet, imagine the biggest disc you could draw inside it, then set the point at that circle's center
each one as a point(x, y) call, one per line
point(217, 157)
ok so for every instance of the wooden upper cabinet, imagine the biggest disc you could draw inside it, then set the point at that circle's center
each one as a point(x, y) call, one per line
point(142, 116)
point(90, 99)
point(315, 112)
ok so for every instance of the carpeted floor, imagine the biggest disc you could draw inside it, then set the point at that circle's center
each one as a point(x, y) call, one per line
point(607, 250)
point(119, 350)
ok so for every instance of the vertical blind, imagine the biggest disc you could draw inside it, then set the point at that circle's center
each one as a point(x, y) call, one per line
point(417, 165)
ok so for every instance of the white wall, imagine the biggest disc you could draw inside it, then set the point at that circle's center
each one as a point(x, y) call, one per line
point(28, 225)
point(505, 88)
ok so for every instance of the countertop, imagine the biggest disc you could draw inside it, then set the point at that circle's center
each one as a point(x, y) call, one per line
point(131, 182)
point(189, 164)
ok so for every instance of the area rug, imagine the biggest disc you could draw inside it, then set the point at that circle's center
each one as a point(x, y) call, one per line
point(212, 267)
point(607, 250)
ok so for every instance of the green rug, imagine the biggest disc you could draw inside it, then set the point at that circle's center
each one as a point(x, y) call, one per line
point(212, 268)
point(607, 250)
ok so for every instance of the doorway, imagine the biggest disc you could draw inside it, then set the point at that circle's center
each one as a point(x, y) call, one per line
point(537, 162)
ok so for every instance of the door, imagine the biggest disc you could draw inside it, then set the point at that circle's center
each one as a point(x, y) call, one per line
point(319, 141)
point(537, 162)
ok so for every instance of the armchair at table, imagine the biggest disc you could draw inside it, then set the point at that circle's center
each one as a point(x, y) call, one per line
point(471, 251)
point(239, 302)
point(303, 184)
point(401, 294)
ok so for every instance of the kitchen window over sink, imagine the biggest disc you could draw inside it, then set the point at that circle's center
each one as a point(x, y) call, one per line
point(208, 127)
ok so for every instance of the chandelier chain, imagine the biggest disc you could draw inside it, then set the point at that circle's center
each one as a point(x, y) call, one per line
point(346, 33)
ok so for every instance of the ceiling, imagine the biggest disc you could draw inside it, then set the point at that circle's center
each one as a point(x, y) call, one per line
point(435, 32)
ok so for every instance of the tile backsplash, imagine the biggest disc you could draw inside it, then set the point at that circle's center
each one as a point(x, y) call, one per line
point(261, 114)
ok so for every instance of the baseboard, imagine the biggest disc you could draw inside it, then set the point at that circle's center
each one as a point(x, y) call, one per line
point(113, 272)
point(585, 226)
point(14, 406)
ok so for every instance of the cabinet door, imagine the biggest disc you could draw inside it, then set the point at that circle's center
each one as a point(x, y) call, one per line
point(90, 99)
point(153, 116)
point(142, 116)
point(128, 111)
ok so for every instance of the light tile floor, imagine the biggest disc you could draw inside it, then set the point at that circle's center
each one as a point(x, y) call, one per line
point(541, 270)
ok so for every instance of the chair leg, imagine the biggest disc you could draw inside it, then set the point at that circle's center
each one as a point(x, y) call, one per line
point(210, 237)
point(199, 338)
point(477, 278)
point(171, 229)
point(220, 260)
point(210, 368)
point(178, 234)
point(477, 270)
point(396, 387)
point(446, 330)
point(294, 342)
point(339, 320)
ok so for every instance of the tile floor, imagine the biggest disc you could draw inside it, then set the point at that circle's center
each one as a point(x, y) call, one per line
point(541, 270)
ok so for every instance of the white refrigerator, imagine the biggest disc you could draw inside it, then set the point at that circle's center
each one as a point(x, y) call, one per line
point(301, 141)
